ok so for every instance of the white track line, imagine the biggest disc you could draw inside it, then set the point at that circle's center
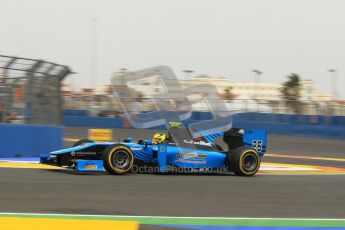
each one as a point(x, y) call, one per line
point(170, 217)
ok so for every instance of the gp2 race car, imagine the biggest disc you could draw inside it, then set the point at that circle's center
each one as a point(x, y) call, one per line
point(181, 150)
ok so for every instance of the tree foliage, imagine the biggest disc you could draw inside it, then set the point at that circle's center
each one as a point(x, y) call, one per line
point(228, 95)
point(291, 91)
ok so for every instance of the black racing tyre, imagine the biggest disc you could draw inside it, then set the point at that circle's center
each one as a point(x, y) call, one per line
point(82, 142)
point(118, 159)
point(243, 161)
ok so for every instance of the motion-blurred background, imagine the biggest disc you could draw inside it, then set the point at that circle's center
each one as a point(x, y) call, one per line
point(264, 57)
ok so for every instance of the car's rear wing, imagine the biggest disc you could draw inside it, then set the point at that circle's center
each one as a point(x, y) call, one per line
point(256, 139)
point(206, 138)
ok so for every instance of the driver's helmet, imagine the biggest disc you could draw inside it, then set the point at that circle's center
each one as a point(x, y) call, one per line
point(158, 138)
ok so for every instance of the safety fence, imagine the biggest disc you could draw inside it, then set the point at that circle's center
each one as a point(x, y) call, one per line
point(30, 91)
point(80, 118)
point(108, 106)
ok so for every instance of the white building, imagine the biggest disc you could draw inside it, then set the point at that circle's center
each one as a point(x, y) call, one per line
point(262, 91)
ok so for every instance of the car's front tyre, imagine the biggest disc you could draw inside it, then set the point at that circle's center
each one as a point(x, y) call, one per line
point(118, 159)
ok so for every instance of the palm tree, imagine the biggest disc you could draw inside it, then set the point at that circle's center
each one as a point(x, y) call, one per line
point(228, 95)
point(291, 92)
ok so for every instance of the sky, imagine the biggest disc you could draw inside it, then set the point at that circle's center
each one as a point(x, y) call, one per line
point(226, 38)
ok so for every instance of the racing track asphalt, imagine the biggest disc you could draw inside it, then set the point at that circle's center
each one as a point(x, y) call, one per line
point(60, 191)
point(56, 191)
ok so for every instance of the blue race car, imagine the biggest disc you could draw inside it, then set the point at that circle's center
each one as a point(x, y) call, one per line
point(178, 149)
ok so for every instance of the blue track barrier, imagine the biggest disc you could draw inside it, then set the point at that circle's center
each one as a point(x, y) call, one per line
point(287, 124)
point(29, 140)
point(324, 131)
point(97, 122)
point(75, 112)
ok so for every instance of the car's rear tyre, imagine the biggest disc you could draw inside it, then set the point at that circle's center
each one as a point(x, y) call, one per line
point(118, 159)
point(243, 161)
point(82, 142)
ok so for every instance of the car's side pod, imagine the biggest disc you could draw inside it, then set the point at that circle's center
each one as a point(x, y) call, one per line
point(255, 139)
